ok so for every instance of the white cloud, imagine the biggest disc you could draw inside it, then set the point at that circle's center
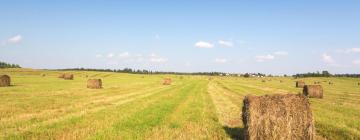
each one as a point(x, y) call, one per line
point(202, 44)
point(221, 60)
point(283, 53)
point(225, 43)
point(327, 59)
point(156, 59)
point(262, 58)
point(356, 62)
point(353, 50)
point(124, 55)
point(98, 56)
point(15, 39)
point(110, 55)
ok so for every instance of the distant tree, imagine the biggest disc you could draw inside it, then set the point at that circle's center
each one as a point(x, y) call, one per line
point(246, 75)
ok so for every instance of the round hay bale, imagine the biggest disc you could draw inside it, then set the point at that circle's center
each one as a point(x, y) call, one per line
point(43, 75)
point(5, 80)
point(300, 84)
point(61, 75)
point(281, 81)
point(331, 83)
point(167, 81)
point(263, 81)
point(313, 91)
point(94, 83)
point(68, 76)
point(286, 116)
point(317, 82)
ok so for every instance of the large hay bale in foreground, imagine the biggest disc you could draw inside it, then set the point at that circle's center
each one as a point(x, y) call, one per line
point(94, 83)
point(5, 80)
point(167, 81)
point(313, 91)
point(274, 117)
point(300, 84)
point(68, 76)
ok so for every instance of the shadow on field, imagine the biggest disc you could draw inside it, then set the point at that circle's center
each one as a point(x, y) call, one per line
point(235, 133)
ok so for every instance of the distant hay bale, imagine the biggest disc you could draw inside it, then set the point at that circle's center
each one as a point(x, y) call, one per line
point(94, 83)
point(68, 76)
point(263, 81)
point(61, 75)
point(167, 81)
point(273, 117)
point(43, 75)
point(5, 80)
point(300, 84)
point(313, 91)
point(317, 82)
point(331, 83)
point(281, 81)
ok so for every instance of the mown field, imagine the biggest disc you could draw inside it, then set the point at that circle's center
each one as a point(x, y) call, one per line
point(132, 106)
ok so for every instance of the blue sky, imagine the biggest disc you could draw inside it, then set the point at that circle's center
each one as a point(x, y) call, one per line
point(276, 37)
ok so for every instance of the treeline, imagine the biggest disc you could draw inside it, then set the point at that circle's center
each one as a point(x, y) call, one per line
point(135, 71)
point(7, 65)
point(325, 74)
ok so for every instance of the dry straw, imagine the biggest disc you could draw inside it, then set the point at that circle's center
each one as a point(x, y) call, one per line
point(5, 81)
point(300, 84)
point(167, 81)
point(313, 91)
point(94, 83)
point(274, 117)
point(68, 76)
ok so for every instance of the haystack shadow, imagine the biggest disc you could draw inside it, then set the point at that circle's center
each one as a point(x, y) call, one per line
point(235, 133)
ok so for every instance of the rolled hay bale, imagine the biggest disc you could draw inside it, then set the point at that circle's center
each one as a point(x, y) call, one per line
point(313, 91)
point(331, 83)
point(317, 82)
point(281, 81)
point(167, 81)
point(68, 76)
point(273, 117)
point(94, 83)
point(61, 75)
point(43, 75)
point(263, 81)
point(300, 84)
point(5, 80)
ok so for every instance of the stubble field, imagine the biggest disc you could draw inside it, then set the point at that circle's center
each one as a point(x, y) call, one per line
point(134, 106)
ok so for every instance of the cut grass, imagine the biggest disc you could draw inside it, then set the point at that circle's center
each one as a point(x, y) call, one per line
point(134, 106)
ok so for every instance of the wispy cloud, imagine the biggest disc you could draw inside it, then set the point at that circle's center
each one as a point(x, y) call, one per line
point(356, 62)
point(203, 44)
point(156, 59)
point(225, 43)
point(263, 58)
point(124, 55)
point(283, 53)
point(110, 55)
point(221, 60)
point(99, 56)
point(326, 58)
point(12, 40)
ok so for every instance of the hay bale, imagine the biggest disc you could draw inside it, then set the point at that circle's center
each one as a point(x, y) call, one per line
point(317, 82)
point(5, 81)
point(94, 83)
point(263, 81)
point(281, 81)
point(61, 75)
point(43, 75)
point(273, 117)
point(167, 81)
point(300, 84)
point(331, 83)
point(68, 76)
point(313, 91)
